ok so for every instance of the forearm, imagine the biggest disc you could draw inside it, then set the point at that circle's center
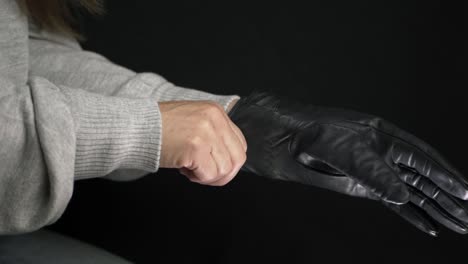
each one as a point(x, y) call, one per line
point(51, 134)
point(62, 61)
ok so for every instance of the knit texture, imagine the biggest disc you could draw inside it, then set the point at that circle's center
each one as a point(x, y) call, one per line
point(69, 114)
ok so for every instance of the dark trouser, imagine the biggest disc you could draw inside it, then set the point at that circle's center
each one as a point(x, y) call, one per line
point(45, 246)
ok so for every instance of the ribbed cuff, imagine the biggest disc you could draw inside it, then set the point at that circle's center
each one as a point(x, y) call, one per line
point(114, 133)
point(166, 91)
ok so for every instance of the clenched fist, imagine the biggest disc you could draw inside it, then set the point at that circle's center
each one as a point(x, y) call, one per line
point(200, 140)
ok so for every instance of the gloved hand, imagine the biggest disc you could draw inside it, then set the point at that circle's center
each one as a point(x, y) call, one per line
point(352, 153)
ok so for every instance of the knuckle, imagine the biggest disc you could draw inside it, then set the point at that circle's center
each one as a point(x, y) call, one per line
point(234, 172)
point(235, 169)
point(241, 158)
point(207, 179)
point(204, 124)
point(195, 142)
point(226, 169)
point(184, 161)
point(201, 179)
point(211, 108)
point(211, 116)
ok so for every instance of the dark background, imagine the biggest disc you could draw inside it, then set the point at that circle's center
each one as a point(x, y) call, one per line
point(401, 60)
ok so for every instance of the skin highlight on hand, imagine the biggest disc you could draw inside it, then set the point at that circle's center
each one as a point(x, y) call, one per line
point(201, 141)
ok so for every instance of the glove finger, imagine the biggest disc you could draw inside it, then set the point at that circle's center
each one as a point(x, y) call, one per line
point(414, 216)
point(344, 150)
point(413, 158)
point(447, 202)
point(426, 149)
point(436, 212)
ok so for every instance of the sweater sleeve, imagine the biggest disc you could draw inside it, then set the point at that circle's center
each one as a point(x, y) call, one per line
point(63, 61)
point(52, 134)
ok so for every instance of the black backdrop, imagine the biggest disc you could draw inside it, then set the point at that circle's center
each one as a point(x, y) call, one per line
point(402, 60)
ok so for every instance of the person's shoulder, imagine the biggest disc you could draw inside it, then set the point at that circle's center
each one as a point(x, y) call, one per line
point(35, 32)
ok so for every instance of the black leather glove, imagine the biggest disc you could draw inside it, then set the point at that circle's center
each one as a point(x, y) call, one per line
point(352, 153)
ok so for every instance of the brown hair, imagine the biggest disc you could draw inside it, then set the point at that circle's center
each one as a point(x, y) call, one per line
point(58, 15)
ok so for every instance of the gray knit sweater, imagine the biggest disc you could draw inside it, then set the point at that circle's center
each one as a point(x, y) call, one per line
point(68, 114)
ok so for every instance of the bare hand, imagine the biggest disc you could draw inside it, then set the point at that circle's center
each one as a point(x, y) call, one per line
point(201, 141)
